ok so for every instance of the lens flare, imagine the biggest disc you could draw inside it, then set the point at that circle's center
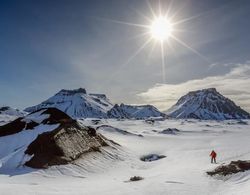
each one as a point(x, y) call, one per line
point(161, 29)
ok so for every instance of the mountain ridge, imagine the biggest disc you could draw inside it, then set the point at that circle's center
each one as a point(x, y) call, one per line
point(207, 104)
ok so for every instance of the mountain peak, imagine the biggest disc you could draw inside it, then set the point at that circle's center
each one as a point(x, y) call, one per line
point(77, 104)
point(207, 104)
point(72, 92)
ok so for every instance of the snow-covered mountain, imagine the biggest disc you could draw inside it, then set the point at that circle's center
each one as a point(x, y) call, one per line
point(136, 112)
point(6, 110)
point(8, 114)
point(77, 104)
point(207, 104)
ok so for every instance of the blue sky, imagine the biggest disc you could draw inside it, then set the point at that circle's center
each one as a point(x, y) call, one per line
point(49, 45)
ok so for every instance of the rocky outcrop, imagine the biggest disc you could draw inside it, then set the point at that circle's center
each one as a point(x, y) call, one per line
point(45, 138)
point(232, 168)
point(32, 120)
point(63, 145)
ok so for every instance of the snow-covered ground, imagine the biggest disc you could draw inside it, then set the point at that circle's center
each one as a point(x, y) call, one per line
point(183, 171)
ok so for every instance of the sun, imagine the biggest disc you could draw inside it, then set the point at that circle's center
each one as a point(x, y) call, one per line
point(161, 28)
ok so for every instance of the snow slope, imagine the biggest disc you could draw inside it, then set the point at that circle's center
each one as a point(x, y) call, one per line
point(183, 171)
point(77, 104)
point(14, 145)
point(206, 104)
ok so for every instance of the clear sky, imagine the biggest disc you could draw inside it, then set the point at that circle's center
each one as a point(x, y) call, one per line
point(49, 45)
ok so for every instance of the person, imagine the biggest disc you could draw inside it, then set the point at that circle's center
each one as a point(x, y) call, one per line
point(213, 156)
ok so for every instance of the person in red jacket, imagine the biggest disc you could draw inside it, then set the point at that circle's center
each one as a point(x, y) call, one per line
point(213, 156)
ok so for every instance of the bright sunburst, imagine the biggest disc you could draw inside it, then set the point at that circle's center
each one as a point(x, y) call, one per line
point(161, 28)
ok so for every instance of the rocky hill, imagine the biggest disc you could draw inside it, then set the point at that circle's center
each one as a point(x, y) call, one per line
point(44, 138)
point(207, 104)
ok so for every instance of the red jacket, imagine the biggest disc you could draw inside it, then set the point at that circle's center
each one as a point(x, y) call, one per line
point(213, 154)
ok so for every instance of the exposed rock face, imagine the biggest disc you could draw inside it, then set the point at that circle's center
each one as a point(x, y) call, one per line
point(45, 138)
point(171, 131)
point(63, 145)
point(77, 104)
point(29, 122)
point(206, 104)
point(152, 157)
point(134, 112)
point(233, 167)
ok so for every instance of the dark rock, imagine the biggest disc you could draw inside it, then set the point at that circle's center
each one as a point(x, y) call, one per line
point(74, 91)
point(172, 131)
point(96, 122)
point(136, 178)
point(31, 125)
point(152, 157)
point(63, 145)
point(4, 108)
point(91, 131)
point(13, 127)
point(150, 121)
point(55, 117)
point(232, 168)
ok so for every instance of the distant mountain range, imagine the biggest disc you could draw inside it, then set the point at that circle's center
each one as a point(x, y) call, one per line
point(206, 104)
point(136, 112)
point(78, 103)
point(8, 114)
point(6, 110)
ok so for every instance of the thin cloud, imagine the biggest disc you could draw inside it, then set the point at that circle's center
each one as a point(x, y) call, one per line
point(234, 85)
